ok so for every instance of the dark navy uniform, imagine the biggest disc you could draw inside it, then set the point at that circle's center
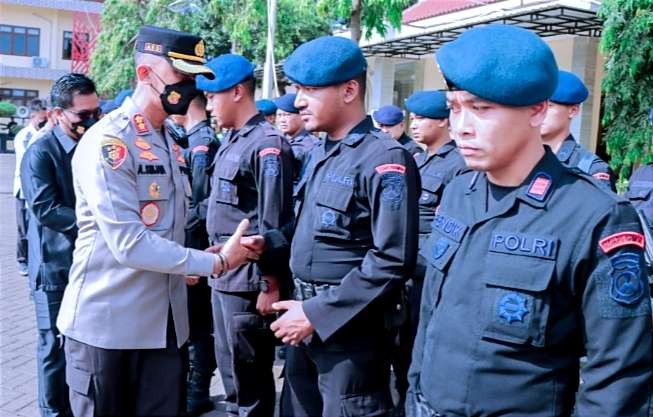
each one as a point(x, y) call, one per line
point(409, 144)
point(523, 281)
point(202, 146)
point(574, 155)
point(502, 334)
point(436, 171)
point(252, 179)
point(302, 144)
point(356, 233)
point(639, 192)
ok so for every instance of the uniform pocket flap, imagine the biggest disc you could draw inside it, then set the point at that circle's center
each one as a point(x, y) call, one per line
point(335, 197)
point(78, 380)
point(431, 183)
point(519, 272)
point(227, 170)
point(638, 193)
point(439, 250)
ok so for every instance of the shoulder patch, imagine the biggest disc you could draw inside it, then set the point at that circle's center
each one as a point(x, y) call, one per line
point(602, 176)
point(269, 151)
point(626, 283)
point(200, 148)
point(399, 168)
point(113, 152)
point(150, 213)
point(621, 239)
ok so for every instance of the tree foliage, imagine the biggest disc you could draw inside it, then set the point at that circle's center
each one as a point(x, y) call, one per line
point(7, 109)
point(240, 25)
point(627, 42)
point(364, 17)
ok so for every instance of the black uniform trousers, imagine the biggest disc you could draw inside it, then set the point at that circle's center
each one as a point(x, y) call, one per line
point(21, 236)
point(244, 349)
point(126, 382)
point(347, 376)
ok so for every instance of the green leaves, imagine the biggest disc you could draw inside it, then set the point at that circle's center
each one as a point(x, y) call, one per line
point(240, 25)
point(627, 42)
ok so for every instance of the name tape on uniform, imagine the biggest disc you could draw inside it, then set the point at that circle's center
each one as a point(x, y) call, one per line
point(621, 239)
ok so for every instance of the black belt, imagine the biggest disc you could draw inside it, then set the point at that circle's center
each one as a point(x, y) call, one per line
point(305, 290)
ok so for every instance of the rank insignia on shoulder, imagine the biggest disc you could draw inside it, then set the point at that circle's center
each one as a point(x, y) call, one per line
point(148, 155)
point(602, 176)
point(621, 239)
point(140, 124)
point(154, 190)
point(150, 213)
point(142, 144)
point(382, 169)
point(113, 152)
point(539, 187)
point(269, 151)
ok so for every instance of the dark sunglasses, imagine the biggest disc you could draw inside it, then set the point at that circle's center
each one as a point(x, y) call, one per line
point(87, 114)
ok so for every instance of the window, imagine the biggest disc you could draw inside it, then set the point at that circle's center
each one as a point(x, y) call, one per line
point(67, 51)
point(18, 40)
point(18, 96)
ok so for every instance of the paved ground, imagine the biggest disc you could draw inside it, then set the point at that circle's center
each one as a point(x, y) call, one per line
point(17, 324)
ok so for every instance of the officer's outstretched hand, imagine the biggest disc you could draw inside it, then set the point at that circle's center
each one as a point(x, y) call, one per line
point(293, 326)
point(255, 243)
point(234, 253)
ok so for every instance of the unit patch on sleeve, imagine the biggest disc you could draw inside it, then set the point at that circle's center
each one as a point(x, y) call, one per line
point(621, 239)
point(113, 151)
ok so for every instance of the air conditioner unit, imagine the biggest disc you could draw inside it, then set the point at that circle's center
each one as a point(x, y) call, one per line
point(39, 62)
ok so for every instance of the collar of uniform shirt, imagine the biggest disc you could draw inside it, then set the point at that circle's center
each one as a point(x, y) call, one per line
point(249, 126)
point(566, 148)
point(359, 131)
point(66, 142)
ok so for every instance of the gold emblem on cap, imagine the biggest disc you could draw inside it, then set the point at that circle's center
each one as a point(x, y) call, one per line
point(199, 48)
point(174, 97)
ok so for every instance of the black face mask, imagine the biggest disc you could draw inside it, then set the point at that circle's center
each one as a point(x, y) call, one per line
point(86, 120)
point(176, 97)
point(41, 124)
point(177, 133)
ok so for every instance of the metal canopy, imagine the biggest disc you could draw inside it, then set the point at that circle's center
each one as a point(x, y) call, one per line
point(545, 21)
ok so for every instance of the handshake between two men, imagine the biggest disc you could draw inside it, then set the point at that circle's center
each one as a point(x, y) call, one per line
point(293, 326)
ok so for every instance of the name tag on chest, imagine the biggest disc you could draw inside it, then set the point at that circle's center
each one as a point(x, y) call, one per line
point(539, 246)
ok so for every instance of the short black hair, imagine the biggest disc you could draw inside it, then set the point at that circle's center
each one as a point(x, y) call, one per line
point(65, 88)
point(250, 85)
point(362, 83)
point(37, 105)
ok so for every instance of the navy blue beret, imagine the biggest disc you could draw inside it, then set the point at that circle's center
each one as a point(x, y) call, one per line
point(324, 61)
point(570, 89)
point(431, 104)
point(500, 63)
point(229, 70)
point(267, 107)
point(388, 115)
point(287, 103)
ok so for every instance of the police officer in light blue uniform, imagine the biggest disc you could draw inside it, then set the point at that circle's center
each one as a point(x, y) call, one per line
point(564, 105)
point(391, 121)
point(531, 265)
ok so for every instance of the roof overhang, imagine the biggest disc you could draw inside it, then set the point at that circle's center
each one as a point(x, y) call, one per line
point(546, 18)
point(29, 73)
point(68, 5)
